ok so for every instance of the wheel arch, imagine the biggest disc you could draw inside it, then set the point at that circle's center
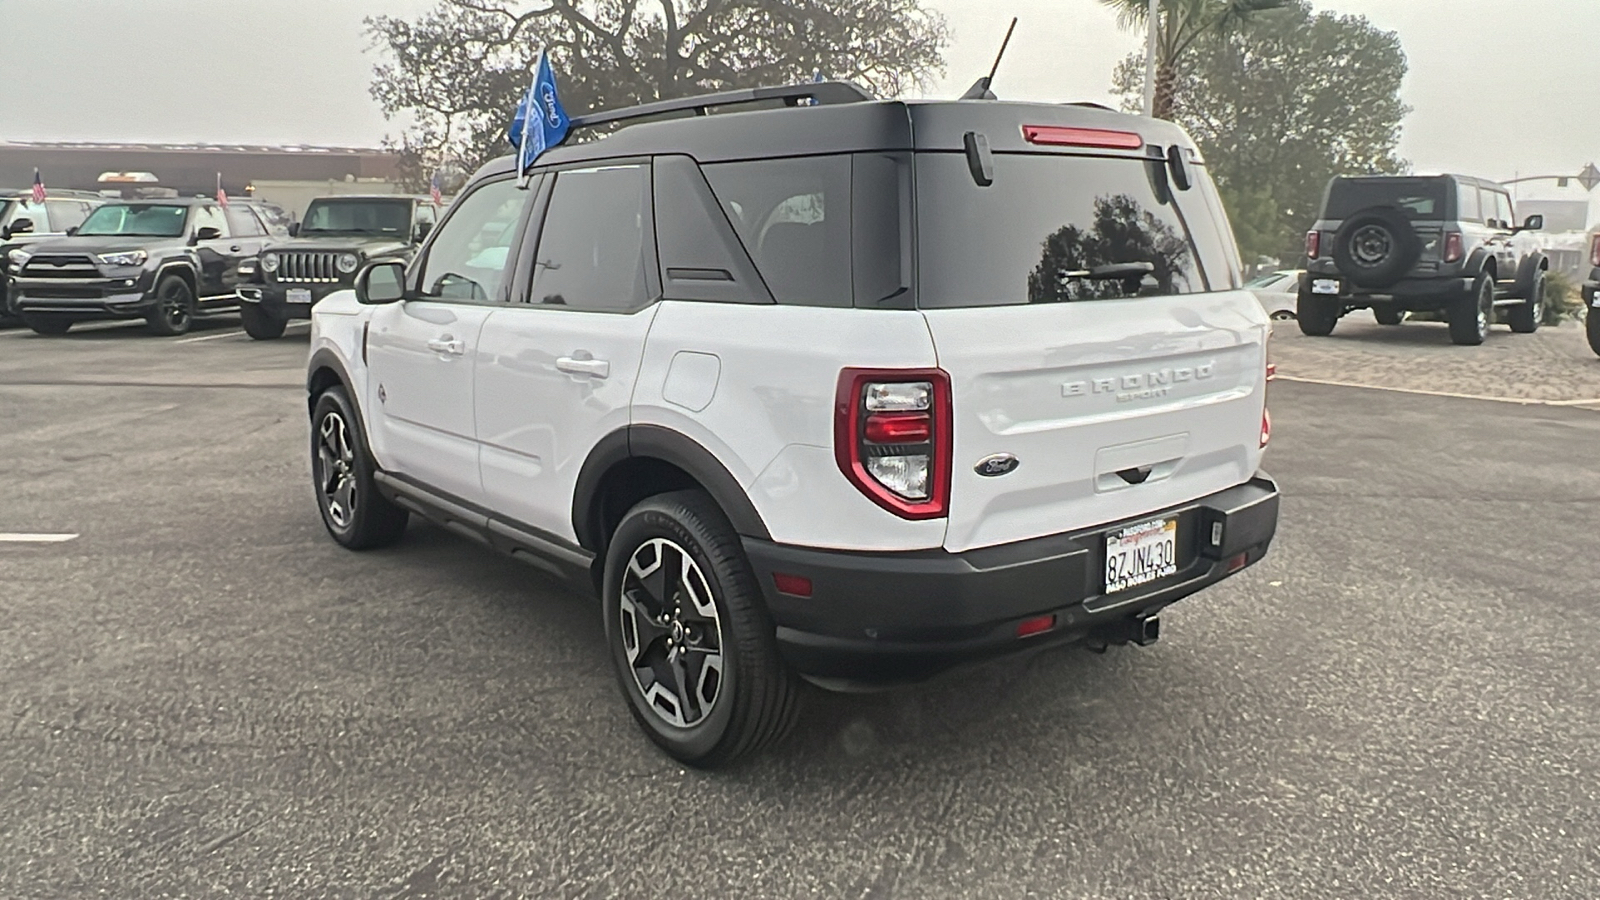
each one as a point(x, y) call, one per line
point(326, 370)
point(1529, 270)
point(640, 461)
point(184, 269)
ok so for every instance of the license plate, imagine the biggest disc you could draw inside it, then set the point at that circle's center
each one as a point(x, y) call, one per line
point(1141, 553)
point(1325, 286)
point(298, 295)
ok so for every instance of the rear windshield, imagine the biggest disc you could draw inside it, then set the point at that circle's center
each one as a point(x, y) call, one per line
point(1419, 198)
point(1056, 229)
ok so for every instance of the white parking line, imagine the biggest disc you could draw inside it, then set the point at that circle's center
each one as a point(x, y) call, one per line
point(212, 337)
point(1522, 401)
point(21, 538)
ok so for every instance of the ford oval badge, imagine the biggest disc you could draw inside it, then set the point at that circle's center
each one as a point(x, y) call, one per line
point(997, 465)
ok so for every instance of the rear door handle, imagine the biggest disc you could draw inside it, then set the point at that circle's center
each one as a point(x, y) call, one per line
point(447, 344)
point(599, 368)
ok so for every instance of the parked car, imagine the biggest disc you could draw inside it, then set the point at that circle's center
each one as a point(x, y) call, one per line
point(166, 261)
point(24, 222)
point(1591, 297)
point(338, 236)
point(848, 390)
point(1443, 243)
point(1278, 292)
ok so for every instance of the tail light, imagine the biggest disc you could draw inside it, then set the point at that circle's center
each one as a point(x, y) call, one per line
point(892, 438)
point(1453, 251)
point(1054, 135)
point(1594, 251)
point(1272, 374)
point(1313, 244)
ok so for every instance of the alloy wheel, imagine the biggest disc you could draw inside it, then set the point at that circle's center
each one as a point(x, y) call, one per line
point(671, 633)
point(175, 304)
point(1371, 245)
point(336, 478)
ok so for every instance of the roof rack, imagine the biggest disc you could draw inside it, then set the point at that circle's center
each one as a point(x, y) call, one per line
point(820, 93)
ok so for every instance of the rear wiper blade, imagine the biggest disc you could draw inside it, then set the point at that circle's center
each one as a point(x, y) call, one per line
point(1113, 270)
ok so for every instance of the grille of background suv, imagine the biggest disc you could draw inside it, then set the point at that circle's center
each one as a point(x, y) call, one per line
point(308, 267)
point(60, 267)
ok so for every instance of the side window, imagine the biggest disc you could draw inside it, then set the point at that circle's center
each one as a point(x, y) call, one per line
point(593, 247)
point(793, 216)
point(1502, 203)
point(64, 214)
point(467, 260)
point(423, 222)
point(36, 213)
point(207, 217)
point(243, 221)
point(1468, 209)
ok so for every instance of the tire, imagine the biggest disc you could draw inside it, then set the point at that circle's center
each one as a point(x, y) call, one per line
point(1527, 316)
point(1376, 246)
point(353, 511)
point(1471, 314)
point(174, 312)
point(47, 323)
point(1388, 316)
point(1592, 326)
point(258, 324)
point(661, 624)
point(1316, 315)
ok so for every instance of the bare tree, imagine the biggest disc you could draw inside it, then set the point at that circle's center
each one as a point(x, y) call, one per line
point(458, 71)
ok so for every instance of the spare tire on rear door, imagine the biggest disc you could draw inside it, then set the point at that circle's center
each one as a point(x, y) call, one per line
point(1376, 247)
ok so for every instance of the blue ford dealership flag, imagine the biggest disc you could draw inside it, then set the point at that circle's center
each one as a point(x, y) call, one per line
point(541, 122)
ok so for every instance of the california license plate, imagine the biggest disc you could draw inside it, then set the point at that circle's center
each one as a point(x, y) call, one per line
point(1324, 285)
point(1139, 554)
point(298, 295)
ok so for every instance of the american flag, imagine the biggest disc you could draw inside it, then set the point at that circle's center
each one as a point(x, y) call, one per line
point(433, 190)
point(38, 187)
point(222, 195)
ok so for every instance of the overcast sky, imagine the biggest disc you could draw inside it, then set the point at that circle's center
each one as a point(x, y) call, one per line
point(1498, 87)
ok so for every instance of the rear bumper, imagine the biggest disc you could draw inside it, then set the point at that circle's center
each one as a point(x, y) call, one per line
point(1407, 293)
point(886, 618)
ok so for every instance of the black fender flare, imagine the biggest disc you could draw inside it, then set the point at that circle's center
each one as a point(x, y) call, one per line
point(184, 262)
point(325, 360)
point(1480, 259)
point(668, 446)
point(1528, 271)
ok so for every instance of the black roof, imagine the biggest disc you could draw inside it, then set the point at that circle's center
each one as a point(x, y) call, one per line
point(416, 198)
point(845, 127)
point(1460, 179)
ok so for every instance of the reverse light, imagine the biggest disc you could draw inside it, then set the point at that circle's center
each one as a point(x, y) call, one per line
point(892, 438)
point(1453, 250)
point(1058, 136)
point(269, 262)
point(1313, 244)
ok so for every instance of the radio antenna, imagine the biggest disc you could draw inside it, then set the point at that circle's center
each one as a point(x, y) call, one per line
point(980, 88)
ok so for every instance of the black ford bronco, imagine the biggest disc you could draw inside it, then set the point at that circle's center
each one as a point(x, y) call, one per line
point(1443, 243)
point(338, 236)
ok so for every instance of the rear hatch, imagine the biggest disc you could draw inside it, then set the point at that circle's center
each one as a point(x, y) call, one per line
point(1426, 202)
point(1089, 315)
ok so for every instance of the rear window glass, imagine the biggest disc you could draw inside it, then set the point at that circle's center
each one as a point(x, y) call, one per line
point(793, 216)
point(1418, 198)
point(1050, 229)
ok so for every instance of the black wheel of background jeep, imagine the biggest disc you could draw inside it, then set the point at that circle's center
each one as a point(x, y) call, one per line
point(174, 311)
point(1317, 315)
point(259, 324)
point(1525, 317)
point(690, 636)
point(1592, 326)
point(1471, 315)
point(47, 323)
point(356, 515)
point(1388, 316)
point(1376, 246)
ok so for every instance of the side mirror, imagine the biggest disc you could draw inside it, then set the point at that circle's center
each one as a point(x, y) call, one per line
point(72, 231)
point(423, 229)
point(19, 226)
point(1534, 223)
point(208, 233)
point(381, 282)
point(294, 229)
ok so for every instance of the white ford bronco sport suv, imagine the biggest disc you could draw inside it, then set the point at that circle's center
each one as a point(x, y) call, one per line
point(833, 390)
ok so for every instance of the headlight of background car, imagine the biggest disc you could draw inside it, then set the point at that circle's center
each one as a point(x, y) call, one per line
point(130, 258)
point(19, 258)
point(348, 263)
point(247, 267)
point(269, 262)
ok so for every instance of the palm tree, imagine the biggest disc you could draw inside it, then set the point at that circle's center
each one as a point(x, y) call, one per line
point(1182, 23)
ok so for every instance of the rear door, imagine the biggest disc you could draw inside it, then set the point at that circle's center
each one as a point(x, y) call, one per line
point(557, 366)
point(1091, 323)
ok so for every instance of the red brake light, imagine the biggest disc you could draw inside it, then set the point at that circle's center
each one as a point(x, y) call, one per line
point(892, 438)
point(1453, 251)
point(1313, 244)
point(1594, 252)
point(1036, 625)
point(793, 585)
point(1081, 137)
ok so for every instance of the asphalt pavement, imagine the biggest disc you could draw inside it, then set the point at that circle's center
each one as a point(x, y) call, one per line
point(203, 696)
